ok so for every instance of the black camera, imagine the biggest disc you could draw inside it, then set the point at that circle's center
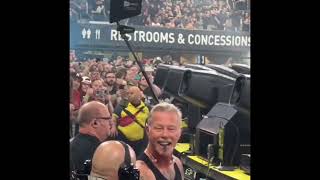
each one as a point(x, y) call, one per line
point(129, 173)
point(127, 170)
point(83, 173)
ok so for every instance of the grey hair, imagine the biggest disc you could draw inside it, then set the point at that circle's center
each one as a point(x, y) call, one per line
point(165, 107)
point(88, 111)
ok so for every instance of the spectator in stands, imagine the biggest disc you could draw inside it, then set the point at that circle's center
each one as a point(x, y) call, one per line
point(86, 90)
point(76, 95)
point(93, 66)
point(122, 86)
point(148, 21)
point(172, 13)
point(156, 22)
point(246, 23)
point(79, 98)
point(128, 64)
point(107, 67)
point(121, 75)
point(100, 67)
point(144, 87)
point(119, 61)
point(95, 75)
point(100, 93)
point(130, 120)
point(111, 82)
point(236, 20)
point(132, 77)
point(95, 122)
point(112, 87)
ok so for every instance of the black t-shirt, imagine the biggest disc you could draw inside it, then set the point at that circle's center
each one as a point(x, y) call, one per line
point(113, 90)
point(149, 97)
point(82, 148)
point(143, 157)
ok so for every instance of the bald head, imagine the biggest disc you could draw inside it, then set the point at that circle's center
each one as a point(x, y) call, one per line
point(108, 158)
point(134, 95)
point(91, 110)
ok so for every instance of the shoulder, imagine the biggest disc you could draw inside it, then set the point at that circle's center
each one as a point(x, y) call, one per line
point(179, 164)
point(177, 160)
point(84, 141)
point(145, 172)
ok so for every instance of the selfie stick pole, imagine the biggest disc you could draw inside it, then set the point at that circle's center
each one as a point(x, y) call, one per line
point(123, 30)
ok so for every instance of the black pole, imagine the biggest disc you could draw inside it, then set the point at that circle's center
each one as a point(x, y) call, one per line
point(123, 36)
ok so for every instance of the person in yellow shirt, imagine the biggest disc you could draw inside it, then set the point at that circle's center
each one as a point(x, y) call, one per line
point(130, 119)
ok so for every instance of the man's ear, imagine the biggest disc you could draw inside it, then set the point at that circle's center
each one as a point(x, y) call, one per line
point(180, 133)
point(147, 129)
point(94, 123)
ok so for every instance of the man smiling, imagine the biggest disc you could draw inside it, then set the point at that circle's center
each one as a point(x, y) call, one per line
point(163, 130)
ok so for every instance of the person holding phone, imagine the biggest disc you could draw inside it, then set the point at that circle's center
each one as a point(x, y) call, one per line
point(100, 93)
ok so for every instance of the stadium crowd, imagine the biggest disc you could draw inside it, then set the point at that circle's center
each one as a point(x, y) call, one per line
point(228, 15)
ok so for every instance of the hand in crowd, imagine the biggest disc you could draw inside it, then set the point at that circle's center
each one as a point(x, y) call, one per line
point(108, 98)
point(113, 130)
point(122, 93)
point(121, 82)
point(89, 92)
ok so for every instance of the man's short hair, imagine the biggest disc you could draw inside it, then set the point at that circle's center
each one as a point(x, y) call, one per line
point(113, 72)
point(165, 107)
point(121, 72)
point(96, 80)
point(88, 112)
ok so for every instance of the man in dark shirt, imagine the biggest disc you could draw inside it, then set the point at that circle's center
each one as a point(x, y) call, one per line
point(144, 87)
point(111, 82)
point(112, 87)
point(95, 122)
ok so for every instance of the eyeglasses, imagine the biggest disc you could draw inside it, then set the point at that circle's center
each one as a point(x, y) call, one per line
point(105, 118)
point(108, 119)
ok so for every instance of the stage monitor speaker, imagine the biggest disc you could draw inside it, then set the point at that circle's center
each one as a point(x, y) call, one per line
point(205, 88)
point(161, 75)
point(227, 128)
point(173, 83)
point(241, 68)
point(241, 92)
point(223, 70)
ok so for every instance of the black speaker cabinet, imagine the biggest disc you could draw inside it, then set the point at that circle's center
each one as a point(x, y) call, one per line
point(205, 88)
point(227, 128)
point(170, 78)
point(223, 70)
point(161, 75)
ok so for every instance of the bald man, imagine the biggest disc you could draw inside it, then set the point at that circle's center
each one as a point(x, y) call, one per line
point(95, 122)
point(131, 133)
point(108, 158)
